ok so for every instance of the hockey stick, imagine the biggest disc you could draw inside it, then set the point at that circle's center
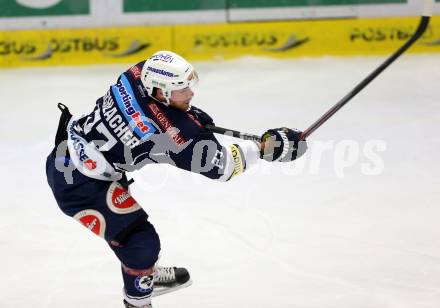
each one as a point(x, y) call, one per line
point(423, 25)
point(233, 133)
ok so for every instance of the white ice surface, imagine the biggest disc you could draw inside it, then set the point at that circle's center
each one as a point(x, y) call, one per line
point(312, 235)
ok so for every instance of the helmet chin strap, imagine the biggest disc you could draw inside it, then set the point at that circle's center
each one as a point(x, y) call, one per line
point(158, 101)
point(167, 102)
point(167, 99)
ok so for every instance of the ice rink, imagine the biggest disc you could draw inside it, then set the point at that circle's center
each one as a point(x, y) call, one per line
point(353, 223)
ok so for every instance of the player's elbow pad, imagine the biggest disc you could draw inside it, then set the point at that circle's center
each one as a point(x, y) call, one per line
point(240, 157)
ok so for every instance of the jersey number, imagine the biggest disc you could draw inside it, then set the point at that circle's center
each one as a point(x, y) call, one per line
point(103, 145)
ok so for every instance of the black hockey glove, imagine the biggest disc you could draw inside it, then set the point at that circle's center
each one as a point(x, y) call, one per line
point(201, 116)
point(282, 144)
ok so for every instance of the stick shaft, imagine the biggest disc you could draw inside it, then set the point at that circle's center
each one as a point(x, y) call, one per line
point(233, 133)
point(419, 32)
point(423, 25)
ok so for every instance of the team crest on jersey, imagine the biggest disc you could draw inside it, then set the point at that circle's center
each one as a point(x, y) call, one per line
point(92, 220)
point(120, 201)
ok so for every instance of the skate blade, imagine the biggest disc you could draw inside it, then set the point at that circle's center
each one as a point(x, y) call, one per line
point(164, 290)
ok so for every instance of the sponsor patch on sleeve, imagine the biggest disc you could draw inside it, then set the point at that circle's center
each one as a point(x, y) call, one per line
point(238, 159)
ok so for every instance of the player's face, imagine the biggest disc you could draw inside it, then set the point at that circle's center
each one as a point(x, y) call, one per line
point(180, 99)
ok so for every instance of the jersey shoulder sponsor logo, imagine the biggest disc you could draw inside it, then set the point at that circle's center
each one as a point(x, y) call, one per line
point(131, 110)
point(166, 124)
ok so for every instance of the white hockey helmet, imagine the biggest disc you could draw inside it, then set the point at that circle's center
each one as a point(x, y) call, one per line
point(168, 71)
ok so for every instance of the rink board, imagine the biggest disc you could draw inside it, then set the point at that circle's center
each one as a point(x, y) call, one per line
point(81, 46)
point(343, 37)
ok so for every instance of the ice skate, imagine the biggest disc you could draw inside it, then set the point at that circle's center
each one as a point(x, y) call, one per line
point(170, 279)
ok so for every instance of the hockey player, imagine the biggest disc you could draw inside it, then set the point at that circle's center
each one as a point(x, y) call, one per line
point(146, 117)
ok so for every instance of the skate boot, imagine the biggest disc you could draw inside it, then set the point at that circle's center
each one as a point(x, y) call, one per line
point(168, 276)
point(169, 279)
